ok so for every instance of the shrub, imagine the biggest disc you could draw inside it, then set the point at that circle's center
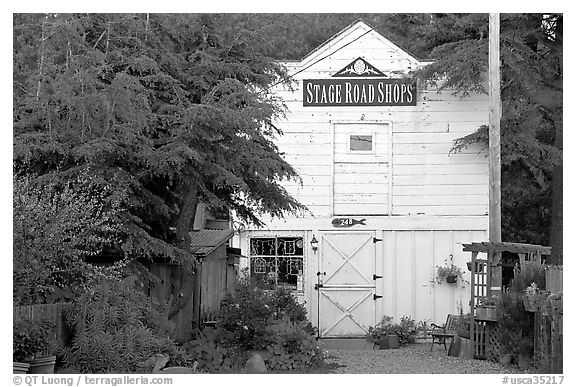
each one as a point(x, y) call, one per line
point(288, 306)
point(516, 325)
point(291, 347)
point(32, 339)
point(405, 330)
point(57, 227)
point(115, 327)
point(255, 319)
point(214, 356)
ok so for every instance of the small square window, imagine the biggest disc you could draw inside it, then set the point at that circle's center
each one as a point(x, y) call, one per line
point(360, 142)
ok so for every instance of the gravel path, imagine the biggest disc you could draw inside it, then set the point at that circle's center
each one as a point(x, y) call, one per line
point(413, 359)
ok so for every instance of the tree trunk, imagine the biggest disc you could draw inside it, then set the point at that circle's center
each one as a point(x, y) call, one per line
point(187, 213)
point(183, 226)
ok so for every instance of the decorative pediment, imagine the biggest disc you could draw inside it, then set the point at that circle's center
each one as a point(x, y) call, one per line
point(359, 68)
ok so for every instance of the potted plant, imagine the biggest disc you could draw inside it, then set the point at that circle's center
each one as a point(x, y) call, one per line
point(448, 272)
point(383, 335)
point(486, 308)
point(33, 344)
point(532, 298)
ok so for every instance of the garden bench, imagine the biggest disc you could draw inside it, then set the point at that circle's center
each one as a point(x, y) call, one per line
point(442, 332)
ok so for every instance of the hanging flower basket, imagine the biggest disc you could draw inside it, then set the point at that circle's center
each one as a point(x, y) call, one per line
point(451, 279)
point(532, 303)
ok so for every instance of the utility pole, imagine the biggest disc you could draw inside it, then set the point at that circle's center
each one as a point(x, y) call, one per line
point(495, 213)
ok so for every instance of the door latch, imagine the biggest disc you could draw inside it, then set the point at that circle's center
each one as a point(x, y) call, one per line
point(317, 286)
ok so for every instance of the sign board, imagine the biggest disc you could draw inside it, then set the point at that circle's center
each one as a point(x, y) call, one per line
point(359, 92)
point(347, 222)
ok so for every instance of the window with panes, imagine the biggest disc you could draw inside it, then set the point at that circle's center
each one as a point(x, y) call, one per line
point(278, 261)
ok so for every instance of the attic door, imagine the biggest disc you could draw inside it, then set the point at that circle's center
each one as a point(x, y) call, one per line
point(361, 169)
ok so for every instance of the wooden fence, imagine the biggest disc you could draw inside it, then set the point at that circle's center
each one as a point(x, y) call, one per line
point(50, 312)
point(548, 326)
point(554, 279)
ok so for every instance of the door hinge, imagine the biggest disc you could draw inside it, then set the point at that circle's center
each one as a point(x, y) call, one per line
point(374, 240)
point(376, 296)
point(375, 277)
point(316, 286)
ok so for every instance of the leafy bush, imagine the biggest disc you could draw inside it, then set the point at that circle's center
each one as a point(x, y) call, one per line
point(245, 317)
point(291, 347)
point(271, 322)
point(31, 339)
point(517, 324)
point(405, 330)
point(288, 306)
point(115, 327)
point(57, 227)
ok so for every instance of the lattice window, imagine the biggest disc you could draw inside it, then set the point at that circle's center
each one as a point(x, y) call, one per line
point(278, 261)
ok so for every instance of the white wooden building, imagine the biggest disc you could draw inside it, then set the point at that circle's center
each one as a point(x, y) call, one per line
point(373, 151)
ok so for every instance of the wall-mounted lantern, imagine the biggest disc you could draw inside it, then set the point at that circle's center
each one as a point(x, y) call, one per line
point(314, 244)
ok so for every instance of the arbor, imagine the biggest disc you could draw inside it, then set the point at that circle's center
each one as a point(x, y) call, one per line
point(162, 111)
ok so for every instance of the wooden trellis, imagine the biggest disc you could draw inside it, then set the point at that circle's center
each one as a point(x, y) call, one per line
point(483, 332)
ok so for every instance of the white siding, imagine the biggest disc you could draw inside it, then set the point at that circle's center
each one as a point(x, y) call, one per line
point(432, 200)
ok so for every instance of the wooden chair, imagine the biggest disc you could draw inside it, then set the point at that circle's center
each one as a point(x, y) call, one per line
point(447, 331)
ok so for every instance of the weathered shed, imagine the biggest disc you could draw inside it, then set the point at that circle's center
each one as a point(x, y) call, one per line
point(389, 200)
point(214, 278)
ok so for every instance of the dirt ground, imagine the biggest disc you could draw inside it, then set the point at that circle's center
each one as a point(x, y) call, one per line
point(412, 359)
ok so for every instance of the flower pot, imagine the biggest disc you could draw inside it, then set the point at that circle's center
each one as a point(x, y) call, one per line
point(43, 365)
point(20, 368)
point(452, 279)
point(388, 342)
point(486, 312)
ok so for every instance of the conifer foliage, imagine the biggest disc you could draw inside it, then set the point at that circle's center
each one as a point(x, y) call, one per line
point(159, 111)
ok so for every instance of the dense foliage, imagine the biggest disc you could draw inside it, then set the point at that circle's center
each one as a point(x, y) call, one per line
point(271, 323)
point(32, 339)
point(158, 111)
point(405, 329)
point(515, 322)
point(115, 328)
point(58, 227)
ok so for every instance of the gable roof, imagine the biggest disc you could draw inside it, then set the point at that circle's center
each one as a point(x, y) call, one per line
point(204, 242)
point(353, 32)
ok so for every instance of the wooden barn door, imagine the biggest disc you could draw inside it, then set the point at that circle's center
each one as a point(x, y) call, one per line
point(361, 182)
point(347, 302)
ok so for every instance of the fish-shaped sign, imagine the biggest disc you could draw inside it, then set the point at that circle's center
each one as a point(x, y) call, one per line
point(347, 222)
